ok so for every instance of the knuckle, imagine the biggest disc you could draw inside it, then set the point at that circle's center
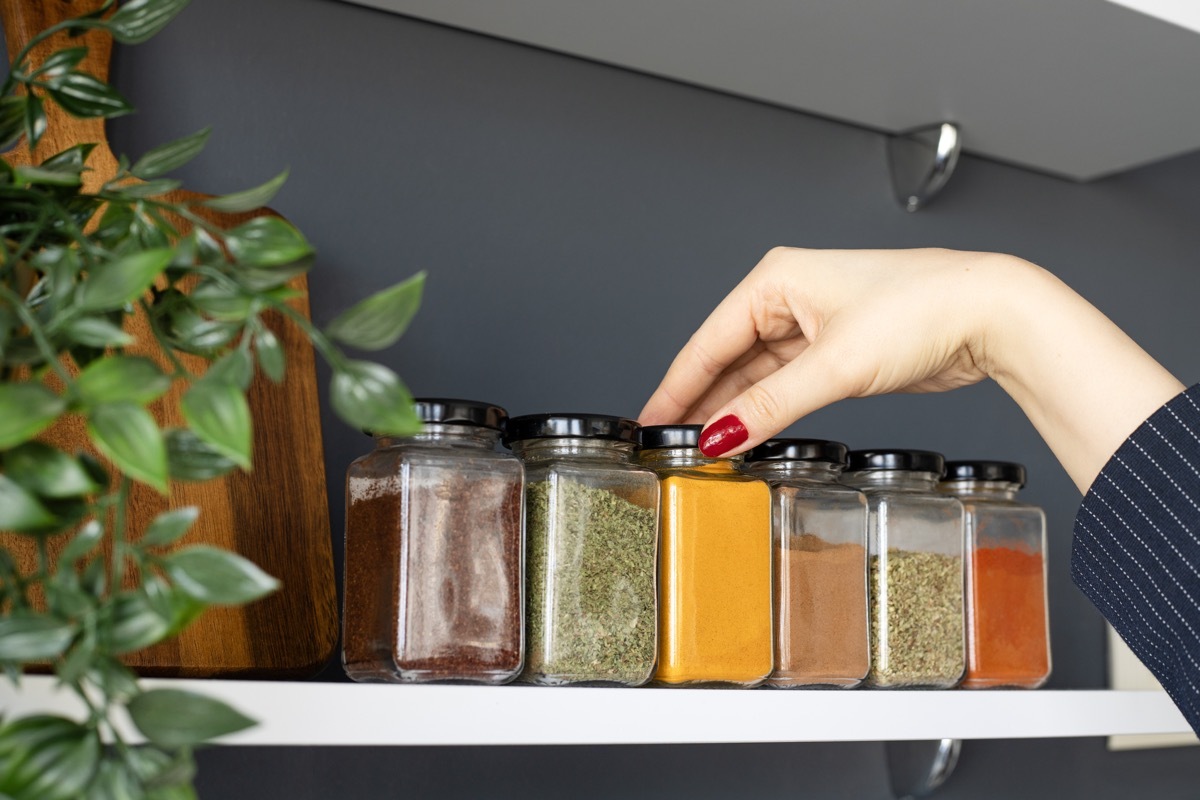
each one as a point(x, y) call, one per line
point(762, 406)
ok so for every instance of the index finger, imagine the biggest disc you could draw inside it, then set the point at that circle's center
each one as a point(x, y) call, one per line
point(727, 334)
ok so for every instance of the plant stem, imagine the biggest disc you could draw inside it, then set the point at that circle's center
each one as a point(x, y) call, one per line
point(330, 353)
point(118, 531)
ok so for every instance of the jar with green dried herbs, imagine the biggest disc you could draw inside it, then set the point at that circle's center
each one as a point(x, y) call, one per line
point(916, 541)
point(591, 530)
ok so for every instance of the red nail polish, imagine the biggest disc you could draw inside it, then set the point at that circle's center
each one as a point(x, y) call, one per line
point(722, 436)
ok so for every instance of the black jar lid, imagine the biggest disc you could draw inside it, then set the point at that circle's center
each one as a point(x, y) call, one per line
point(820, 450)
point(1003, 471)
point(661, 437)
point(908, 460)
point(573, 426)
point(445, 411)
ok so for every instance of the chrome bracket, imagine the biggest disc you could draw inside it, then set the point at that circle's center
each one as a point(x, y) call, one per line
point(921, 161)
point(917, 769)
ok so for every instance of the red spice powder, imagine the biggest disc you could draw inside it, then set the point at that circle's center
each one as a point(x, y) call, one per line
point(1006, 619)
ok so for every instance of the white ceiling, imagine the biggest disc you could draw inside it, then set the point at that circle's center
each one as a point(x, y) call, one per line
point(1078, 88)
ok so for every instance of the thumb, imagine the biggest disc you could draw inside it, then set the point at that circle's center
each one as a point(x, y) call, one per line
point(800, 387)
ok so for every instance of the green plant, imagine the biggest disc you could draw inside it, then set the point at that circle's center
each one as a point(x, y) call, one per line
point(73, 266)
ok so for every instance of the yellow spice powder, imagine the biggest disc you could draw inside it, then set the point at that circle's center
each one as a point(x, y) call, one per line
point(715, 582)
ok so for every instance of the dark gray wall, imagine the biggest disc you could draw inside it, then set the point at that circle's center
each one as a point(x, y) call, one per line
point(578, 222)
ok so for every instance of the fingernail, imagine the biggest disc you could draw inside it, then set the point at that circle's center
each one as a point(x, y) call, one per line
point(722, 436)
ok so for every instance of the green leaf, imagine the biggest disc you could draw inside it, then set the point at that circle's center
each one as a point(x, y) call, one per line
point(258, 279)
point(73, 159)
point(35, 120)
point(47, 758)
point(22, 511)
point(128, 435)
point(170, 156)
point(26, 409)
point(48, 471)
point(138, 20)
point(77, 660)
point(177, 718)
point(217, 576)
point(46, 177)
point(379, 320)
point(134, 624)
point(218, 414)
point(266, 242)
point(97, 332)
point(169, 526)
point(121, 378)
point(222, 302)
point(190, 459)
point(81, 545)
point(235, 368)
point(140, 191)
point(12, 120)
point(118, 282)
point(81, 95)
point(115, 679)
point(270, 355)
point(372, 397)
point(25, 636)
point(193, 333)
point(248, 199)
point(60, 63)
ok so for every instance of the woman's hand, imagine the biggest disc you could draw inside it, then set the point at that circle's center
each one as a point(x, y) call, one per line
point(809, 327)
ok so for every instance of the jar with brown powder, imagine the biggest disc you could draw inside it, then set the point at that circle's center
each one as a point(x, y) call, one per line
point(819, 530)
point(433, 563)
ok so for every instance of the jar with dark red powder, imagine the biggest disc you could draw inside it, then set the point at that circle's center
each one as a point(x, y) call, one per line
point(433, 562)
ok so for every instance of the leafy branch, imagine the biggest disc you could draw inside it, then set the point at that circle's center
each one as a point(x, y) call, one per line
point(75, 267)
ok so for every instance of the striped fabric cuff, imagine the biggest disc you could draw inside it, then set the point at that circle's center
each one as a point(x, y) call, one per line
point(1136, 550)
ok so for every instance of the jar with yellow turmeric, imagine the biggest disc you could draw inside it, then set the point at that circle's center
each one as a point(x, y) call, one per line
point(715, 600)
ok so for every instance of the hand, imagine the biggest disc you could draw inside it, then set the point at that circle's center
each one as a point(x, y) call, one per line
point(808, 327)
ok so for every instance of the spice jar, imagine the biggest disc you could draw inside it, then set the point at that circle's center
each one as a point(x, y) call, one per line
point(1008, 642)
point(819, 533)
point(916, 542)
point(433, 552)
point(592, 546)
point(715, 573)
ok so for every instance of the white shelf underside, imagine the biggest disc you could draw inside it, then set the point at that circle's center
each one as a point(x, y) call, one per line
point(292, 713)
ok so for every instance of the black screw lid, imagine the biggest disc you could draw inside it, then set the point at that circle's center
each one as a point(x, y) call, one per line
point(1006, 471)
point(444, 411)
point(799, 450)
point(659, 437)
point(577, 426)
point(910, 460)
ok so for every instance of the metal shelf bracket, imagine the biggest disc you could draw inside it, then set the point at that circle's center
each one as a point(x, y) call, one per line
point(921, 161)
point(917, 769)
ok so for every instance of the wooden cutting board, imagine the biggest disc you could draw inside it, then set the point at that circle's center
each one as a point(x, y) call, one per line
point(276, 516)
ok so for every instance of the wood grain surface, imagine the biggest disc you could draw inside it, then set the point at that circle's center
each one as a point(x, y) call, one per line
point(277, 516)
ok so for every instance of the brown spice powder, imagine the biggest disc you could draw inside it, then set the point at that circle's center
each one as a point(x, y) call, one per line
point(821, 613)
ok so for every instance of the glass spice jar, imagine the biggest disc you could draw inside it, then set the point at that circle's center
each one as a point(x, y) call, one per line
point(916, 542)
point(592, 548)
point(1008, 640)
point(819, 532)
point(715, 574)
point(433, 557)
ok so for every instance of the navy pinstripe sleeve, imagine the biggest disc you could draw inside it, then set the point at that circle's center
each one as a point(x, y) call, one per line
point(1136, 552)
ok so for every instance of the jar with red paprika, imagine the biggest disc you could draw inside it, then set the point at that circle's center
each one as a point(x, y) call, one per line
point(1008, 641)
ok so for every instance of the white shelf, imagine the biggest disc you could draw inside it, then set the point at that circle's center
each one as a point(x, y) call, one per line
point(374, 714)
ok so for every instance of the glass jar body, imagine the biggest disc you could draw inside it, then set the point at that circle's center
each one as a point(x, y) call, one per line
point(917, 580)
point(715, 574)
point(591, 560)
point(1008, 640)
point(433, 560)
point(819, 532)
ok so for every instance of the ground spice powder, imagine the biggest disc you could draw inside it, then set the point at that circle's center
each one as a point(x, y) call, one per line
point(1008, 643)
point(591, 596)
point(821, 613)
point(433, 577)
point(716, 579)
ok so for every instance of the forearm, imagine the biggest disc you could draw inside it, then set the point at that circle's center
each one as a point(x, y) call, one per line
point(1083, 383)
